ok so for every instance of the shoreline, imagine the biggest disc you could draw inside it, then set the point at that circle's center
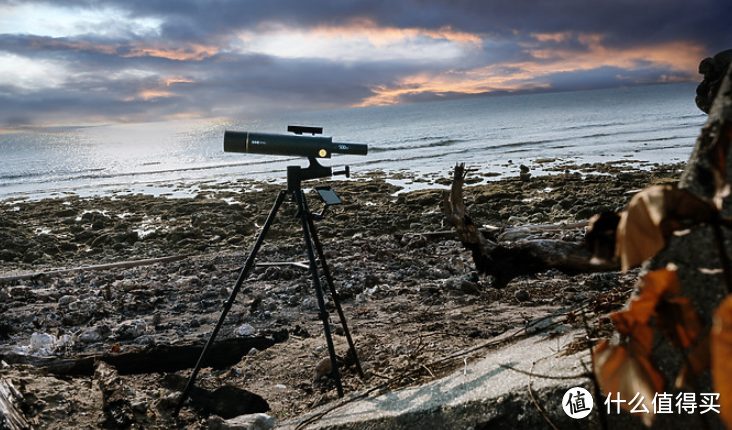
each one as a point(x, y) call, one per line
point(71, 229)
point(407, 179)
point(410, 300)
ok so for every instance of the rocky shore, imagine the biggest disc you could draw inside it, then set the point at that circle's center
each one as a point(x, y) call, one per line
point(410, 296)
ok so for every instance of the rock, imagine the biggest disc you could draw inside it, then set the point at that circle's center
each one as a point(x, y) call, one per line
point(602, 281)
point(65, 300)
point(522, 296)
point(259, 421)
point(469, 287)
point(129, 330)
point(525, 174)
point(245, 330)
point(44, 345)
point(516, 220)
point(188, 282)
point(95, 334)
point(19, 291)
point(713, 69)
point(323, 368)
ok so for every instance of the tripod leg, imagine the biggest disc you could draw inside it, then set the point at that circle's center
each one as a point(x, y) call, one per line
point(230, 301)
point(302, 210)
point(333, 293)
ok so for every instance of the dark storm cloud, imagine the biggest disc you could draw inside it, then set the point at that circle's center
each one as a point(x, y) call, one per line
point(103, 87)
point(625, 22)
point(122, 76)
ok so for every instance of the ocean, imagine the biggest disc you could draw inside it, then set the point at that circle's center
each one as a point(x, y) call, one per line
point(418, 143)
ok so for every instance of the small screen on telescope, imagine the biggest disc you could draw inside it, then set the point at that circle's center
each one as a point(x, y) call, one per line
point(328, 196)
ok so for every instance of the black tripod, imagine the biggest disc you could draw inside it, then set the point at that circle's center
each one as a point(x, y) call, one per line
point(295, 176)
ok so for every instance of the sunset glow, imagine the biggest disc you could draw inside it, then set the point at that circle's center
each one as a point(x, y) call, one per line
point(123, 61)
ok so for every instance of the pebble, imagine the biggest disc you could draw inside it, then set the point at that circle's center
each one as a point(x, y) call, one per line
point(514, 219)
point(129, 330)
point(259, 421)
point(95, 334)
point(65, 300)
point(469, 287)
point(522, 296)
point(245, 330)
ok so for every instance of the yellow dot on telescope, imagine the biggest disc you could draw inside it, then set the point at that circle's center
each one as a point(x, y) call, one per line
point(322, 153)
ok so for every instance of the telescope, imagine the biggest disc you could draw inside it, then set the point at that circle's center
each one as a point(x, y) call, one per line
point(290, 145)
point(313, 147)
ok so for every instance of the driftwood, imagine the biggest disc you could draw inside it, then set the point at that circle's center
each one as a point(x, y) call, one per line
point(498, 233)
point(11, 416)
point(523, 257)
point(111, 266)
point(115, 399)
point(158, 358)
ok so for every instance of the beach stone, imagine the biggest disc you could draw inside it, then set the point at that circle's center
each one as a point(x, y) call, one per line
point(602, 281)
point(65, 300)
point(95, 334)
point(19, 291)
point(310, 304)
point(259, 421)
point(524, 174)
point(713, 69)
point(75, 318)
point(125, 284)
point(246, 330)
point(188, 282)
point(517, 220)
point(469, 287)
point(32, 256)
point(129, 330)
point(522, 296)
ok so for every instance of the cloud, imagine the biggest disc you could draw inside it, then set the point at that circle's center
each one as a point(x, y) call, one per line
point(138, 60)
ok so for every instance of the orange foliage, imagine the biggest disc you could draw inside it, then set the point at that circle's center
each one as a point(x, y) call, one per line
point(721, 351)
point(627, 368)
point(652, 215)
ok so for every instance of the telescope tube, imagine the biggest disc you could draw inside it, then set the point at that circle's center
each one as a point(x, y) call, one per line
point(290, 145)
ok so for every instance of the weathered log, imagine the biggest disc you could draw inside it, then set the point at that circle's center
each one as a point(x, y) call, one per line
point(498, 233)
point(11, 415)
point(524, 257)
point(158, 358)
point(115, 399)
point(110, 266)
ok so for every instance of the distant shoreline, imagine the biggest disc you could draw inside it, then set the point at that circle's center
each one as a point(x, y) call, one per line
point(548, 133)
point(407, 179)
point(69, 230)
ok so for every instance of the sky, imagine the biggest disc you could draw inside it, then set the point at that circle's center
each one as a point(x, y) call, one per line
point(90, 62)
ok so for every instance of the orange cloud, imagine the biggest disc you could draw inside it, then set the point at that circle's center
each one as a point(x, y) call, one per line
point(679, 56)
point(189, 51)
point(380, 36)
point(160, 91)
point(355, 30)
point(478, 81)
point(682, 58)
point(178, 80)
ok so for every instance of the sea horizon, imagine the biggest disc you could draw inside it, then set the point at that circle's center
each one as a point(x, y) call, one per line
point(420, 142)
